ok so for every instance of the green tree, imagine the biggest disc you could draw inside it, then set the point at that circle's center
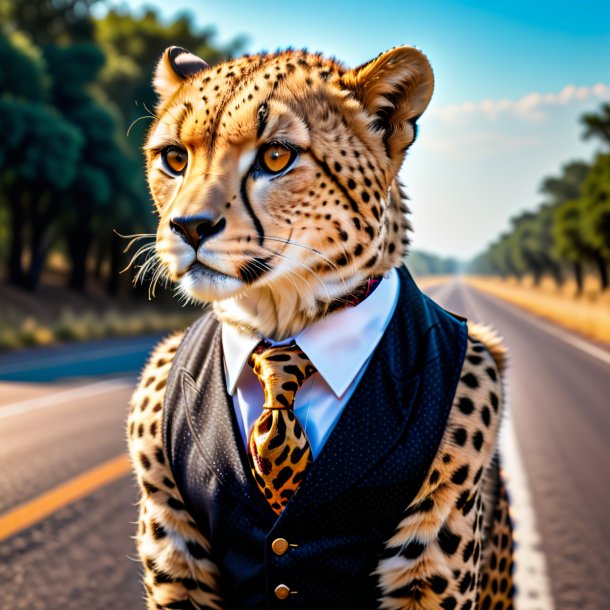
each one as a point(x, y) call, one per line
point(105, 171)
point(566, 186)
point(500, 258)
point(425, 263)
point(597, 124)
point(39, 153)
point(50, 21)
point(569, 244)
point(595, 202)
point(39, 157)
point(531, 245)
point(572, 233)
point(22, 69)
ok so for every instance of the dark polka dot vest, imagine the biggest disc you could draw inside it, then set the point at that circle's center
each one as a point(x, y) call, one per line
point(322, 550)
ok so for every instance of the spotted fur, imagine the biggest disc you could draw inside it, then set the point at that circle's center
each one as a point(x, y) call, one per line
point(279, 452)
point(275, 253)
point(175, 556)
point(445, 551)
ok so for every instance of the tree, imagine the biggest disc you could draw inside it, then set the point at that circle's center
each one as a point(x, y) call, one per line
point(39, 153)
point(597, 125)
point(105, 170)
point(569, 244)
point(499, 256)
point(595, 203)
point(22, 69)
point(531, 245)
point(39, 157)
point(567, 185)
point(50, 21)
point(571, 223)
point(424, 263)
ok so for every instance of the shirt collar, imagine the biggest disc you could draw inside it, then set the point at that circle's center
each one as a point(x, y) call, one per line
point(338, 345)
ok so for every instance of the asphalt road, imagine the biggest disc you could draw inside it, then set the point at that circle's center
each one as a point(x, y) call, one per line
point(62, 413)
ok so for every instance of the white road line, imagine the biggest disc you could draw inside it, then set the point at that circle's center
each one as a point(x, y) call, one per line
point(567, 337)
point(92, 389)
point(51, 361)
point(531, 578)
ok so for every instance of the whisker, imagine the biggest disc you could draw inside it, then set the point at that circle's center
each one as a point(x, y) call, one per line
point(317, 252)
point(142, 118)
point(150, 263)
point(133, 238)
point(160, 273)
point(135, 235)
point(144, 249)
point(303, 265)
point(150, 112)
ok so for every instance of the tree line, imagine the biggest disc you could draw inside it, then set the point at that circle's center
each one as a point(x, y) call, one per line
point(569, 233)
point(70, 87)
point(423, 263)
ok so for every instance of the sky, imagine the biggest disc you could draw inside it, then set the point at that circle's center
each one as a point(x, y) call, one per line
point(512, 78)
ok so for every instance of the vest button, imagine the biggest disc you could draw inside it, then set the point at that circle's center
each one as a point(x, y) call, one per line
point(282, 591)
point(279, 546)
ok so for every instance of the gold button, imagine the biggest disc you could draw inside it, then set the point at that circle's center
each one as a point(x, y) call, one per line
point(279, 546)
point(282, 591)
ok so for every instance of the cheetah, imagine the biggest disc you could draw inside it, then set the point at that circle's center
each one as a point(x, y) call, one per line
point(274, 178)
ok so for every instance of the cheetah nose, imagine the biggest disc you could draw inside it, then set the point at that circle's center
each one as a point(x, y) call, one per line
point(198, 228)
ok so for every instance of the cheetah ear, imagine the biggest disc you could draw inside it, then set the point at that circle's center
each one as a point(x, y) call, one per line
point(395, 88)
point(176, 65)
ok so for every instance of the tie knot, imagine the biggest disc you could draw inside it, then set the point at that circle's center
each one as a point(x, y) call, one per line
point(282, 370)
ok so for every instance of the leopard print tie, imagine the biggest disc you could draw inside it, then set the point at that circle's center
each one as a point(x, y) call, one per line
point(278, 449)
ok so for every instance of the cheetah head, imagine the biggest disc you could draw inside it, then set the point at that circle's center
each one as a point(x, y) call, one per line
point(274, 178)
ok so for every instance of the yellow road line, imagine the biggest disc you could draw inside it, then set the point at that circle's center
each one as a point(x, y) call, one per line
point(33, 511)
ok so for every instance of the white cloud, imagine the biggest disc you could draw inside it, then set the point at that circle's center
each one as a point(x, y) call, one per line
point(532, 107)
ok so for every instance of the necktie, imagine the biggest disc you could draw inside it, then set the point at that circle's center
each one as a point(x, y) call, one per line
point(278, 449)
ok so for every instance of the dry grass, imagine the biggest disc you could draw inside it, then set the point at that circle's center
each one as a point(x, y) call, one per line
point(55, 314)
point(588, 314)
point(22, 331)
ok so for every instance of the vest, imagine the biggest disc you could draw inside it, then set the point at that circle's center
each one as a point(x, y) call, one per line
point(354, 496)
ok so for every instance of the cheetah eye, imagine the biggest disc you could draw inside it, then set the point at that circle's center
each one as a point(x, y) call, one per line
point(174, 159)
point(274, 157)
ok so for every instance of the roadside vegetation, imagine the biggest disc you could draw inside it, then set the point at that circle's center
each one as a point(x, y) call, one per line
point(586, 312)
point(568, 235)
point(26, 331)
point(554, 260)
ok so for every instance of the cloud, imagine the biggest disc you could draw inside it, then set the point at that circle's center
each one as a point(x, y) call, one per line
point(532, 108)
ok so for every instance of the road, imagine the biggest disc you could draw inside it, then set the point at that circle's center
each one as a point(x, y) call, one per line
point(62, 413)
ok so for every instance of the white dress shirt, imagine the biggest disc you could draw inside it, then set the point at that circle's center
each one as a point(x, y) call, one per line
point(339, 346)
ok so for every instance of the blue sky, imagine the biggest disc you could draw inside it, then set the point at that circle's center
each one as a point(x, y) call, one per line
point(498, 122)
